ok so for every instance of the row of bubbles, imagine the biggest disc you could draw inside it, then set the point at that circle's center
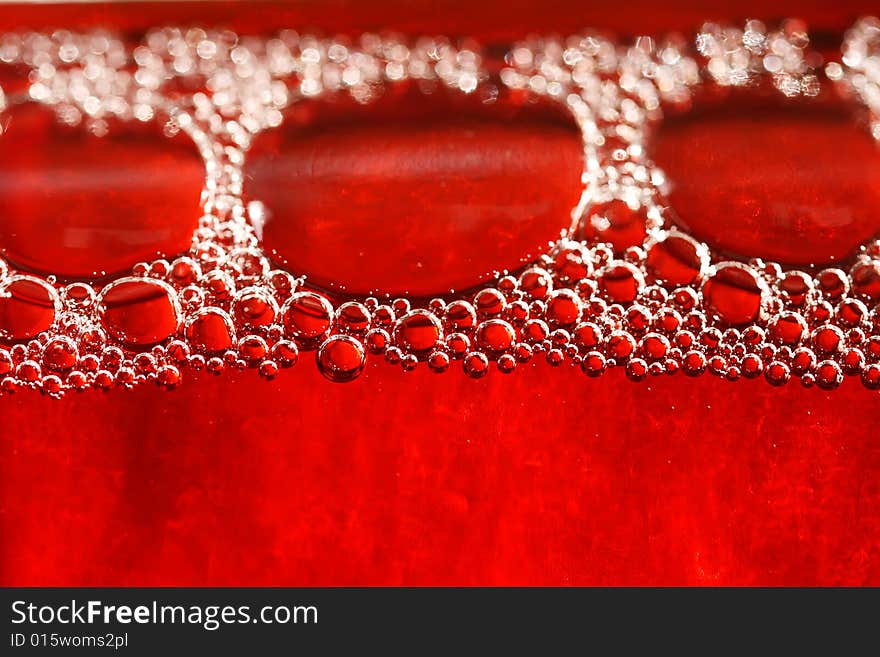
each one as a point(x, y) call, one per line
point(620, 289)
point(578, 306)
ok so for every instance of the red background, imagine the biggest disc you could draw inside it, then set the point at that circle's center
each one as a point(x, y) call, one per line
point(542, 477)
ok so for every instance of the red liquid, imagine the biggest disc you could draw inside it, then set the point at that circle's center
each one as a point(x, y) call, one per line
point(799, 185)
point(418, 195)
point(542, 477)
point(423, 479)
point(78, 206)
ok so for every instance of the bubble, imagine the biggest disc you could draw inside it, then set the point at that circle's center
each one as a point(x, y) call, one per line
point(341, 358)
point(51, 385)
point(636, 369)
point(587, 335)
point(383, 316)
point(654, 346)
point(353, 318)
point(787, 328)
point(401, 306)
point(518, 311)
point(685, 299)
point(89, 363)
point(307, 317)
point(60, 354)
point(866, 281)
point(833, 283)
point(168, 377)
point(796, 287)
point(676, 259)
point(178, 352)
point(215, 365)
point(620, 345)
point(593, 364)
point(282, 283)
point(871, 377)
point(638, 319)
point(535, 330)
point(184, 271)
point(250, 263)
point(555, 357)
point(752, 366)
point(735, 293)
point(570, 263)
point(667, 320)
point(438, 362)
point(268, 369)
point(495, 336)
point(252, 348)
point(489, 303)
point(28, 371)
point(219, 286)
point(377, 340)
point(28, 306)
point(506, 363)
point(145, 363)
point(851, 312)
point(873, 347)
point(828, 375)
point(460, 316)
point(620, 281)
point(522, 352)
point(507, 285)
point(458, 344)
point(803, 360)
point(418, 332)
point(139, 312)
point(614, 222)
point(827, 339)
point(777, 373)
point(210, 330)
point(536, 283)
point(253, 307)
point(694, 363)
point(78, 296)
point(564, 308)
point(475, 364)
point(852, 361)
point(285, 353)
point(159, 269)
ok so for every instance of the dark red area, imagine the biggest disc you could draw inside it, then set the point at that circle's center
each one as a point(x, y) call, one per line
point(491, 20)
point(545, 476)
point(417, 194)
point(79, 206)
point(808, 193)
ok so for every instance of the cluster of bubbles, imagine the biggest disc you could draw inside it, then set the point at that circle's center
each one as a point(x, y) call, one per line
point(652, 312)
point(621, 289)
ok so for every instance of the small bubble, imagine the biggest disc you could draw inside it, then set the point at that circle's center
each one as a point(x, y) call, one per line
point(495, 336)
point(307, 317)
point(210, 330)
point(417, 332)
point(475, 364)
point(341, 358)
point(777, 373)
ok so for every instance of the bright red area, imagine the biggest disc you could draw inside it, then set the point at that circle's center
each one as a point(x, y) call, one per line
point(541, 477)
point(797, 183)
